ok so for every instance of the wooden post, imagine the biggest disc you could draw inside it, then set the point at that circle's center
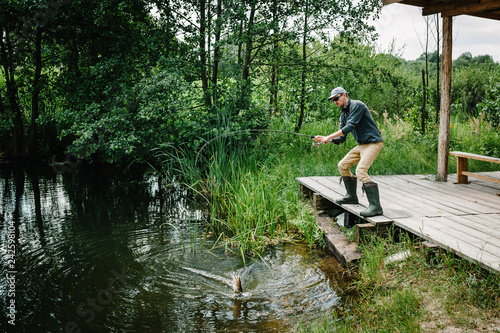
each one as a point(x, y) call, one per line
point(307, 192)
point(462, 165)
point(444, 123)
point(321, 203)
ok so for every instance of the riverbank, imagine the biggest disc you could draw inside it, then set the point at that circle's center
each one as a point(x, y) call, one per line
point(425, 291)
point(255, 201)
point(252, 194)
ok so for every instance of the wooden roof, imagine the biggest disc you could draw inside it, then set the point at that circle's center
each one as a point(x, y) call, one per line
point(480, 8)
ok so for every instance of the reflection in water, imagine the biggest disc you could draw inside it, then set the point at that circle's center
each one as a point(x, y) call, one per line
point(102, 253)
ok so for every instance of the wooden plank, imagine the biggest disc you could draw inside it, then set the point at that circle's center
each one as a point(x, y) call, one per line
point(424, 229)
point(459, 196)
point(331, 190)
point(469, 215)
point(455, 239)
point(491, 219)
point(478, 157)
point(472, 201)
point(455, 8)
point(477, 223)
point(399, 202)
point(346, 252)
point(462, 166)
point(487, 186)
point(476, 175)
point(392, 210)
point(316, 186)
point(333, 183)
point(411, 204)
point(388, 2)
point(357, 209)
point(483, 7)
point(429, 204)
point(467, 234)
point(477, 190)
point(480, 189)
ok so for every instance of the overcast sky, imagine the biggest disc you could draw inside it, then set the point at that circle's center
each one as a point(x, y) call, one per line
point(405, 25)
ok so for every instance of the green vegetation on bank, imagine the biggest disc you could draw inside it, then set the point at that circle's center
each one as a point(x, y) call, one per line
point(428, 291)
point(251, 191)
point(108, 81)
point(255, 201)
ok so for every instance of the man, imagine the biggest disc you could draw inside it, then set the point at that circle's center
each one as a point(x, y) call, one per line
point(355, 118)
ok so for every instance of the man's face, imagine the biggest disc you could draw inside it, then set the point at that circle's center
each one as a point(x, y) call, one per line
point(341, 100)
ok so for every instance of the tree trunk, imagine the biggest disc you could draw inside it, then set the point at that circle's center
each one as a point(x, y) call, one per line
point(169, 35)
point(246, 84)
point(17, 148)
point(304, 75)
point(240, 43)
point(273, 98)
point(35, 97)
point(444, 124)
point(203, 53)
point(218, 29)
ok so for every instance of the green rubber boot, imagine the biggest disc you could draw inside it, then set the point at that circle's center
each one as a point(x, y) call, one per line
point(374, 208)
point(351, 197)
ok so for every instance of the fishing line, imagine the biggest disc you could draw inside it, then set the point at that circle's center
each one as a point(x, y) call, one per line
point(246, 130)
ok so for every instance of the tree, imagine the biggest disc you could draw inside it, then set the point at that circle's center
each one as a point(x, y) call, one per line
point(67, 68)
point(11, 52)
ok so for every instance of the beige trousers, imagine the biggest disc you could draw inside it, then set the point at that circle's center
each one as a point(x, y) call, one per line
point(364, 155)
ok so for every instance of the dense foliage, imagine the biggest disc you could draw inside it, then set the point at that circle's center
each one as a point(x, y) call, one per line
point(108, 81)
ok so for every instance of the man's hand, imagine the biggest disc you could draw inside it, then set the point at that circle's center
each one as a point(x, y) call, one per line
point(321, 139)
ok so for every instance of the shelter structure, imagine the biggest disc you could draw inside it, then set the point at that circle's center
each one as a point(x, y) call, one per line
point(489, 9)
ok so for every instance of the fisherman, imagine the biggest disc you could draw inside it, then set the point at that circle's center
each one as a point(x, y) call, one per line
point(355, 118)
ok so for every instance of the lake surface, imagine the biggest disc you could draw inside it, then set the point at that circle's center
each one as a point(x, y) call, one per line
point(88, 251)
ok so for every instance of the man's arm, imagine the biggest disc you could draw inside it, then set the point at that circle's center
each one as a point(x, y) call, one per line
point(325, 139)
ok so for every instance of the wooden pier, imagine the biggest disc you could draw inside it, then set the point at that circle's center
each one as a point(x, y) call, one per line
point(461, 218)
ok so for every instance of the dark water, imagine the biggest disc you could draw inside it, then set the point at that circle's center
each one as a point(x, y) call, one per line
point(89, 252)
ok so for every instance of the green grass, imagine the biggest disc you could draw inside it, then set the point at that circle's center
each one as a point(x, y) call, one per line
point(424, 293)
point(254, 200)
point(249, 181)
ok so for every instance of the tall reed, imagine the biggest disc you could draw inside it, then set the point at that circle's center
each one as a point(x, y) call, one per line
point(249, 182)
point(250, 201)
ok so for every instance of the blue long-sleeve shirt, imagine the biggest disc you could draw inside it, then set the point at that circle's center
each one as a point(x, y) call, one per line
point(355, 118)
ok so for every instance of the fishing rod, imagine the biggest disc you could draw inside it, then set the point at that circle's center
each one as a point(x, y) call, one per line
point(242, 131)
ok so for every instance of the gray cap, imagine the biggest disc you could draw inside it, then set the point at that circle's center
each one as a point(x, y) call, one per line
point(336, 91)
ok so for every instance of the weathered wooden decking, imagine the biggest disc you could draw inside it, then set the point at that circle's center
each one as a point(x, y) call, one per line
point(462, 218)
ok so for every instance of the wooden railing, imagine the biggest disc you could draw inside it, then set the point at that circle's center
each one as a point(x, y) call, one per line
point(463, 166)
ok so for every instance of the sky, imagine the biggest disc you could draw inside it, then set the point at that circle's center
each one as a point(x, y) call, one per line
point(405, 26)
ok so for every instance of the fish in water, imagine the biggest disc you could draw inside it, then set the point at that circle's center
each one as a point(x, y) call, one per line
point(235, 283)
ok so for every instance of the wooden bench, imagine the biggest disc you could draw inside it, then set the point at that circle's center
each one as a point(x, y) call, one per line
point(462, 166)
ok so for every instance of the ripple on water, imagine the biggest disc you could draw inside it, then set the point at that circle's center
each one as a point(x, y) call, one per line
point(278, 290)
point(112, 268)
